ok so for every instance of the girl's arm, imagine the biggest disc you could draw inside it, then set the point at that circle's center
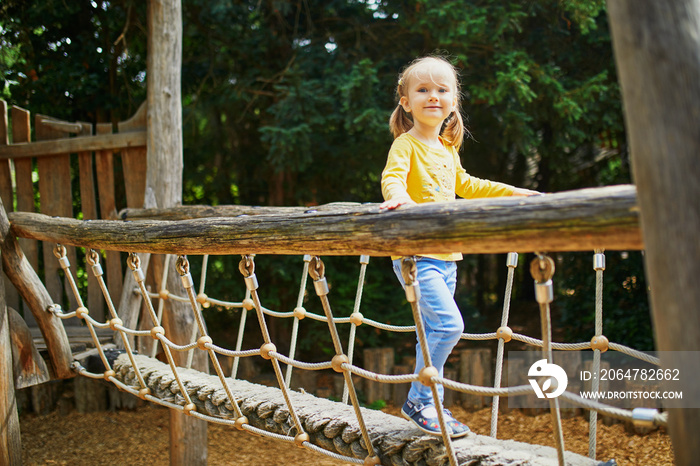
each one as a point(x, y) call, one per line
point(395, 175)
point(526, 192)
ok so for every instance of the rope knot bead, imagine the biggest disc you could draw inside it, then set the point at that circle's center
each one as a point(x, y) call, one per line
point(505, 333)
point(299, 313)
point(164, 294)
point(301, 438)
point(248, 304)
point(338, 361)
point(157, 330)
point(114, 322)
point(356, 319)
point(189, 408)
point(372, 461)
point(108, 374)
point(202, 299)
point(265, 350)
point(203, 341)
point(425, 376)
point(143, 392)
point(600, 342)
point(240, 422)
point(81, 312)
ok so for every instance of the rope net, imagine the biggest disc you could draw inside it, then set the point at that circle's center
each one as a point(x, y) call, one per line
point(351, 433)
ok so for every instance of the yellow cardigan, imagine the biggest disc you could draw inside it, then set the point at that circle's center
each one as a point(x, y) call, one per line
point(425, 174)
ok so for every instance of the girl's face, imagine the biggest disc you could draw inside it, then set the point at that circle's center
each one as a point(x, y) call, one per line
point(430, 94)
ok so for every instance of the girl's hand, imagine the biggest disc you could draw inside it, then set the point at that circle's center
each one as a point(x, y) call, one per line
point(526, 192)
point(392, 204)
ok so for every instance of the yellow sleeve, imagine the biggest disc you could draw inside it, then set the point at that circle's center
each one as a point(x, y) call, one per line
point(470, 187)
point(395, 174)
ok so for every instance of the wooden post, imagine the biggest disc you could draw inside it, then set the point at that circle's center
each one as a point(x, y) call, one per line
point(657, 51)
point(381, 361)
point(475, 369)
point(10, 444)
point(188, 435)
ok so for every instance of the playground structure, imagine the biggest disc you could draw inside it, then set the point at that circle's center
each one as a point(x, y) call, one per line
point(663, 167)
point(596, 218)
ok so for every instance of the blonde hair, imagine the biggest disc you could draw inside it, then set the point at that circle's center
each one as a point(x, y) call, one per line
point(453, 131)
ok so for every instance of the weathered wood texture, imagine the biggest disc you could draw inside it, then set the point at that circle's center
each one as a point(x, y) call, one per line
point(28, 365)
point(11, 296)
point(26, 150)
point(188, 444)
point(26, 281)
point(589, 219)
point(332, 425)
point(657, 51)
point(10, 442)
point(53, 152)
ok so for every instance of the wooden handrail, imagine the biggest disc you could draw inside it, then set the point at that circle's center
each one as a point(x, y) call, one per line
point(73, 145)
point(582, 220)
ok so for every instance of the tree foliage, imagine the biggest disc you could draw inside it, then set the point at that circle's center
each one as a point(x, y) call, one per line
point(286, 102)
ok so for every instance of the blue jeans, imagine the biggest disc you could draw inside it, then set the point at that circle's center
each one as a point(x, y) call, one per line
point(441, 317)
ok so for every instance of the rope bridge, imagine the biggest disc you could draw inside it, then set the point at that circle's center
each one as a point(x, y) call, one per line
point(343, 431)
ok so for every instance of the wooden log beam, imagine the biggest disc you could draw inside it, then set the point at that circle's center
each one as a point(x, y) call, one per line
point(74, 145)
point(184, 212)
point(583, 220)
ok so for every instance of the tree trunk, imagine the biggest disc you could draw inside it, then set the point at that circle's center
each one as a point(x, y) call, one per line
point(657, 49)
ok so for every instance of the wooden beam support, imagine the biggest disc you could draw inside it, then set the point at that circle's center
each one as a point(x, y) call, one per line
point(10, 441)
point(583, 220)
point(657, 52)
point(32, 290)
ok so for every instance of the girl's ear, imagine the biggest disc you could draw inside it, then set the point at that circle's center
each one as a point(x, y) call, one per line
point(404, 103)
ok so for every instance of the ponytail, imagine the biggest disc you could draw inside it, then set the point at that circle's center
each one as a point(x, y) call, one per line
point(454, 130)
point(399, 122)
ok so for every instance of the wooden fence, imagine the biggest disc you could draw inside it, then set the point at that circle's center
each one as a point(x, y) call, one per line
point(75, 170)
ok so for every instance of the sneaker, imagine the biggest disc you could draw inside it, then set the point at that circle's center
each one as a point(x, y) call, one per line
point(458, 429)
point(425, 417)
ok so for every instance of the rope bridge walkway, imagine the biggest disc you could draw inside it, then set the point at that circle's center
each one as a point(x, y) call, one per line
point(343, 431)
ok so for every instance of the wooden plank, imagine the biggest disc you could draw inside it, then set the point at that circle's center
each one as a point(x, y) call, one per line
point(657, 52)
point(21, 132)
point(88, 207)
point(19, 150)
point(104, 160)
point(582, 220)
point(55, 199)
point(10, 442)
point(5, 171)
point(134, 161)
point(7, 196)
point(39, 301)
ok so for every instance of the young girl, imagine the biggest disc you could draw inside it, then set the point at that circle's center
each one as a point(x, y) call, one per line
point(423, 166)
